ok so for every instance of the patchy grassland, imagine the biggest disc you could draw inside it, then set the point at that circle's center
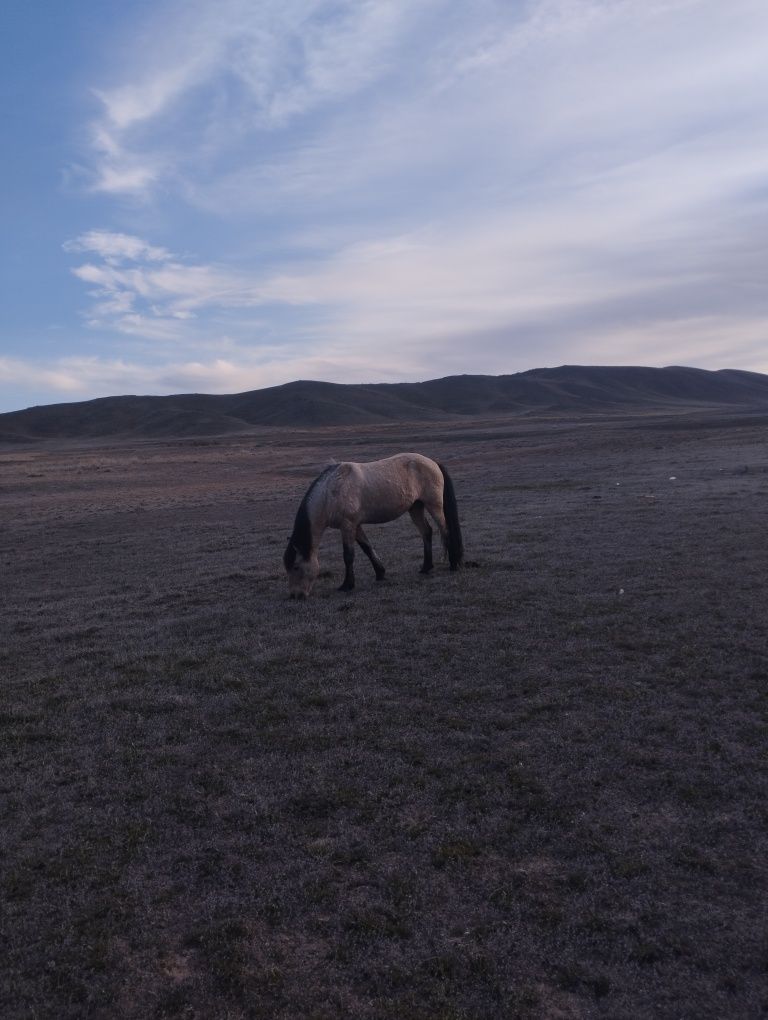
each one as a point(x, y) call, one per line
point(533, 789)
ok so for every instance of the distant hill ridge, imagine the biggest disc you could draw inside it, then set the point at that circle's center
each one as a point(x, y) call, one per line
point(307, 403)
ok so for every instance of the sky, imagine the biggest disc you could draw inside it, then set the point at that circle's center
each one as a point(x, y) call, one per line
point(220, 195)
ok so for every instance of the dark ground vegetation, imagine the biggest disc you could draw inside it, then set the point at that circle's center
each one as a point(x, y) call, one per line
point(533, 789)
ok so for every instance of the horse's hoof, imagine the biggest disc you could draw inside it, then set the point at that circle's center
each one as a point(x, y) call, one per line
point(426, 570)
point(345, 587)
point(381, 577)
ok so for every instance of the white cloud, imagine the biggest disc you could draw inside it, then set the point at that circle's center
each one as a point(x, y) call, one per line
point(83, 377)
point(115, 248)
point(393, 105)
point(252, 66)
point(128, 105)
point(144, 290)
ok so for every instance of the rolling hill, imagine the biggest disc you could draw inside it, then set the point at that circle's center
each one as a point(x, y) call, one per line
point(306, 403)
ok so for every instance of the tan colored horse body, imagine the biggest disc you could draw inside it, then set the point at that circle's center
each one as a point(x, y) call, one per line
point(346, 496)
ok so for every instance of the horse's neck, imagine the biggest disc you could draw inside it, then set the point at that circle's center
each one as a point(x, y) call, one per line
point(318, 514)
point(318, 525)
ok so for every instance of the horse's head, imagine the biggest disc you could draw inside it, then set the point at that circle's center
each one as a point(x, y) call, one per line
point(302, 573)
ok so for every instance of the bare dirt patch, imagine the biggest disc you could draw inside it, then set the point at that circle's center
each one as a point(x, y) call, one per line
point(536, 788)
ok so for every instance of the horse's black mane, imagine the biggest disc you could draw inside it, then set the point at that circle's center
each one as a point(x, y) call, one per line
point(301, 536)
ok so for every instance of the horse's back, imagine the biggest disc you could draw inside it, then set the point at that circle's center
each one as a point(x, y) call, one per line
point(382, 490)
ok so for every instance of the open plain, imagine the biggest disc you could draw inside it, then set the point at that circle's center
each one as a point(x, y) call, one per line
point(536, 788)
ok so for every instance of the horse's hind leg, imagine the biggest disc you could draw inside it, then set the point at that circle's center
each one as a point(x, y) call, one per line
point(348, 543)
point(370, 552)
point(425, 530)
point(438, 516)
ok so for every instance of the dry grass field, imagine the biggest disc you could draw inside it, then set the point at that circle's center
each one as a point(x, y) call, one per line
point(536, 788)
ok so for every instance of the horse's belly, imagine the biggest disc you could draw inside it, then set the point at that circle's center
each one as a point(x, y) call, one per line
point(386, 510)
point(381, 517)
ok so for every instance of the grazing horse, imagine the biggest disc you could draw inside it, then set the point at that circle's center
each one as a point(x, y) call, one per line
point(347, 496)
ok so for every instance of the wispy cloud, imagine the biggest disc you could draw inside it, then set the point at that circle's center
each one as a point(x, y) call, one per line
point(81, 377)
point(222, 72)
point(145, 290)
point(242, 105)
point(115, 248)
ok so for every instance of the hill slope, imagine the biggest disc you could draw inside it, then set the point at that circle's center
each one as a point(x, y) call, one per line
point(307, 403)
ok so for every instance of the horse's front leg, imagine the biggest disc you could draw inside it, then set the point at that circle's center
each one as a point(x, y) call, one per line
point(370, 552)
point(348, 544)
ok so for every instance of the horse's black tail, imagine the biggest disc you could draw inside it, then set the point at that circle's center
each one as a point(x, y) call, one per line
point(454, 544)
